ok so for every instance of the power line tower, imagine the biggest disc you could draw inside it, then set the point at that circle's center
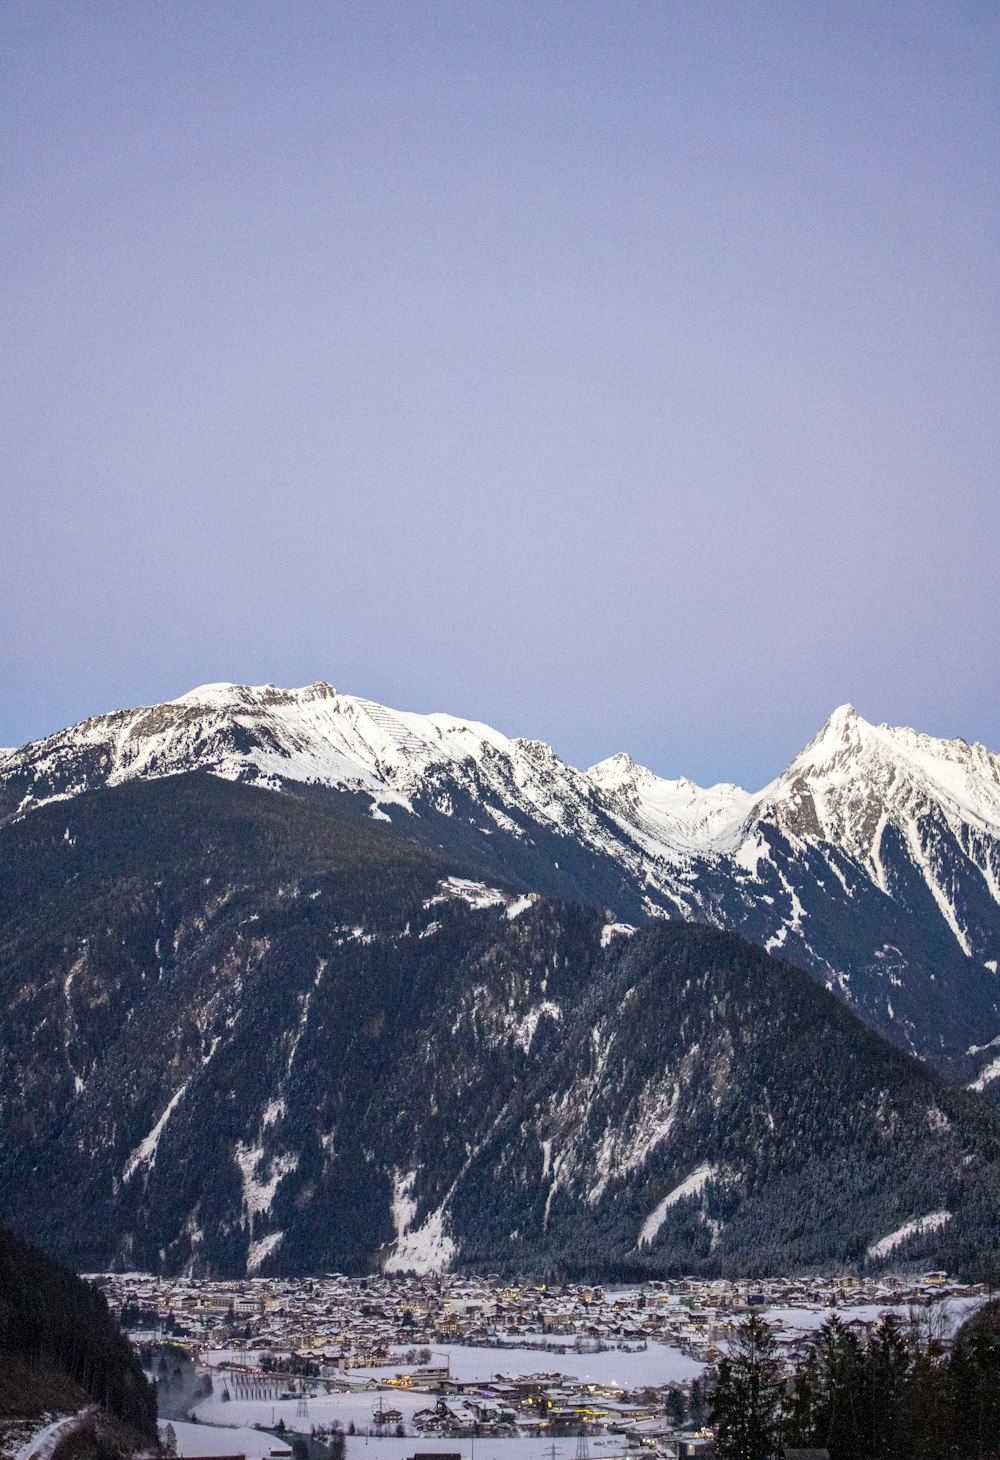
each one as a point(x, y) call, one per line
point(302, 1408)
point(582, 1446)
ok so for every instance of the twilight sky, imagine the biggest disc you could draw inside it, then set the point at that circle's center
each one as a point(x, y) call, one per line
point(622, 374)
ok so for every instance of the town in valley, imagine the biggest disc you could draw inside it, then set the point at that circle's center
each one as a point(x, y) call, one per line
point(419, 1365)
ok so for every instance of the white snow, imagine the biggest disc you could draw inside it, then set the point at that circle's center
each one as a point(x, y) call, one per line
point(987, 1075)
point(750, 853)
point(476, 894)
point(629, 1368)
point(664, 815)
point(427, 1249)
point(145, 1152)
point(261, 1249)
point(212, 1439)
point(946, 1315)
point(853, 785)
point(520, 905)
point(355, 1408)
point(524, 1032)
point(258, 1195)
point(42, 1443)
point(930, 1223)
point(691, 1186)
point(424, 1249)
point(610, 931)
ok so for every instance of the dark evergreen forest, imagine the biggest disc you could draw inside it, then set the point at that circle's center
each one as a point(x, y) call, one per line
point(54, 1323)
point(209, 991)
point(903, 1393)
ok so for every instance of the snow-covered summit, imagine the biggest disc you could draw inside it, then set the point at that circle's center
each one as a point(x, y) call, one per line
point(849, 781)
point(260, 733)
point(316, 735)
point(672, 813)
point(884, 822)
point(853, 779)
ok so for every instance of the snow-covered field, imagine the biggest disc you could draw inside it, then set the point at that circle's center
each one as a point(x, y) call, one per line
point(657, 1364)
point(209, 1440)
point(203, 1439)
point(324, 1409)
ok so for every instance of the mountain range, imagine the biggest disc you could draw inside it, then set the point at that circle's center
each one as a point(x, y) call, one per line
point(872, 861)
point(292, 982)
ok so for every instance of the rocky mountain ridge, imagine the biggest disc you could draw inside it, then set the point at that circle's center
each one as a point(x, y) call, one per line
point(873, 860)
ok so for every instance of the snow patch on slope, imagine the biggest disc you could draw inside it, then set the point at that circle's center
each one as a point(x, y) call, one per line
point(692, 1185)
point(464, 889)
point(610, 931)
point(145, 1152)
point(262, 1249)
point(524, 1032)
point(424, 1249)
point(932, 1222)
point(986, 1076)
point(258, 1195)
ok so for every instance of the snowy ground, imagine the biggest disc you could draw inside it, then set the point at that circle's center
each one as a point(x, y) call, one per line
point(346, 1409)
point(657, 1364)
point(203, 1439)
point(208, 1440)
point(945, 1317)
point(44, 1440)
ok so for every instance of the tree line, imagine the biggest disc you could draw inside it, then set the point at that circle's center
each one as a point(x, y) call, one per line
point(901, 1394)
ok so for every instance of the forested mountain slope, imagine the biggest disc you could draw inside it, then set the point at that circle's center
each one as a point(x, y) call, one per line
point(59, 1345)
point(254, 1032)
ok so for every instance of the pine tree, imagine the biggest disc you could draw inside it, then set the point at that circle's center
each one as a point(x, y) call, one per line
point(887, 1365)
point(839, 1408)
point(746, 1408)
point(799, 1419)
point(974, 1382)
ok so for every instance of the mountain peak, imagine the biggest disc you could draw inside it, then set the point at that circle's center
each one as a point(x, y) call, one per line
point(844, 727)
point(614, 771)
point(219, 694)
point(224, 695)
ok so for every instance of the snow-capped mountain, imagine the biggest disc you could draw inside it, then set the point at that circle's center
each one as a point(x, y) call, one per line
point(855, 783)
point(873, 860)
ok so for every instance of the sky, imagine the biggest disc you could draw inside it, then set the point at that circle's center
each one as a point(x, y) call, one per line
point(624, 375)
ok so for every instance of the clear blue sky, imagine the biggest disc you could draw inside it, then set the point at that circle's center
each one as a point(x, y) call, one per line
point(623, 374)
